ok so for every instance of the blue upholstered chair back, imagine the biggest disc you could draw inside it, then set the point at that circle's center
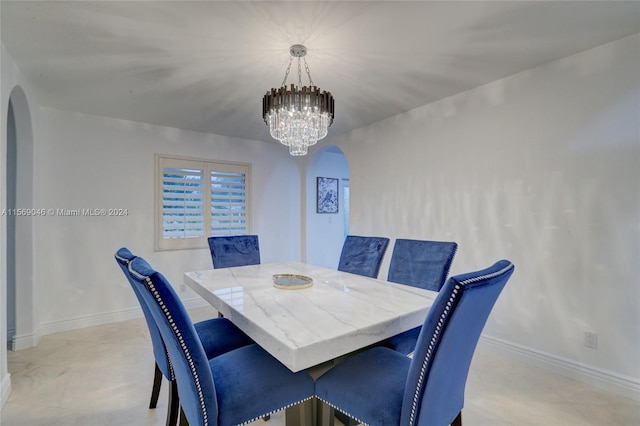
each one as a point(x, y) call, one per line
point(362, 255)
point(124, 257)
point(188, 358)
point(434, 393)
point(420, 263)
point(237, 250)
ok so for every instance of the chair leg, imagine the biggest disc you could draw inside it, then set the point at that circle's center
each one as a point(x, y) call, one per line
point(458, 420)
point(326, 414)
point(300, 414)
point(183, 419)
point(174, 404)
point(155, 392)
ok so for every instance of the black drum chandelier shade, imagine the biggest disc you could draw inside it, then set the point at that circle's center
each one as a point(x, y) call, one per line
point(298, 116)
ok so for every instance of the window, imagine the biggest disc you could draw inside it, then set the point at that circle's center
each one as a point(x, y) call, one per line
point(198, 198)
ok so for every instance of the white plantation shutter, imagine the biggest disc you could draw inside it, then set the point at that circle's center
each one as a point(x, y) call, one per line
point(199, 198)
point(228, 202)
point(182, 202)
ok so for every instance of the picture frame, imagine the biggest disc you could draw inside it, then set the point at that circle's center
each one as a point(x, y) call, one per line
point(327, 195)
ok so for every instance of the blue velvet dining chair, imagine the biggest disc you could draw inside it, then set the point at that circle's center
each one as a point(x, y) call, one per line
point(217, 335)
point(362, 255)
point(235, 388)
point(418, 263)
point(234, 250)
point(383, 387)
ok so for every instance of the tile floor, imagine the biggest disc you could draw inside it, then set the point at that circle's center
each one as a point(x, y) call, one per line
point(102, 376)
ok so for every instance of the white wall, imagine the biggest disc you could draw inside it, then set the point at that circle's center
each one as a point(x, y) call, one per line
point(325, 231)
point(85, 161)
point(541, 168)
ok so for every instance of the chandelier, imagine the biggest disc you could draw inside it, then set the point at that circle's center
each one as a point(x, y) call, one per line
point(298, 116)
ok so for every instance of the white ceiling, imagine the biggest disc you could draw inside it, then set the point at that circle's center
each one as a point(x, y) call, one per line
point(205, 65)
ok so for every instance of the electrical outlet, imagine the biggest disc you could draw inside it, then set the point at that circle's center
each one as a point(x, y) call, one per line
point(591, 340)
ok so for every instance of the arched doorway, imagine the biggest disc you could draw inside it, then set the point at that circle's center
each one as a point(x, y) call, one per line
point(325, 232)
point(10, 191)
point(21, 324)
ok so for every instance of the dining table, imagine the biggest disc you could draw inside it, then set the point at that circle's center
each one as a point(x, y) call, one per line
point(309, 317)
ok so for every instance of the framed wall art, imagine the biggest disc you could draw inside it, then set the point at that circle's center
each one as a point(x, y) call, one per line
point(327, 193)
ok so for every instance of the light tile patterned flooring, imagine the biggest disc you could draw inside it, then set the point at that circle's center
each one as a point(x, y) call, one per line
point(102, 376)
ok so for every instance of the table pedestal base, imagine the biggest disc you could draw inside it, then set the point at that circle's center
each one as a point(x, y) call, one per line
point(313, 413)
point(302, 414)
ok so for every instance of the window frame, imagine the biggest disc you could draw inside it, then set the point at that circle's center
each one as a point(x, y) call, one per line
point(207, 166)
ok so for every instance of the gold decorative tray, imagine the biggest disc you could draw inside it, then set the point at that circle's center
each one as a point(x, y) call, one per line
point(291, 281)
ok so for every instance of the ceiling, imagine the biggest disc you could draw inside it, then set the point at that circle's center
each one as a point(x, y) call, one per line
point(205, 65)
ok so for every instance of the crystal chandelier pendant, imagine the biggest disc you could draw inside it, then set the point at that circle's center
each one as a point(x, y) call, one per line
point(298, 116)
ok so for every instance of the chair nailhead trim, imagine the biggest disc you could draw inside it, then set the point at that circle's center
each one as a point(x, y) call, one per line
point(455, 251)
point(436, 334)
point(342, 410)
point(177, 333)
point(427, 358)
point(486, 277)
point(172, 375)
point(275, 411)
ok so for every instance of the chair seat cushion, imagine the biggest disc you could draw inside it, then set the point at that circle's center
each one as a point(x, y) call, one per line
point(405, 343)
point(251, 374)
point(219, 335)
point(370, 383)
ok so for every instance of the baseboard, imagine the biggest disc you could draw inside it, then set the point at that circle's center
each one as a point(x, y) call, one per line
point(5, 389)
point(25, 341)
point(106, 318)
point(194, 303)
point(602, 379)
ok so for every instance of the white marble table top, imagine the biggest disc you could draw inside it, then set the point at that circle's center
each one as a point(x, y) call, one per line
point(340, 313)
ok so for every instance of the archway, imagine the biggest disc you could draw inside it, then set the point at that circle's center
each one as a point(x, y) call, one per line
point(10, 191)
point(325, 232)
point(19, 245)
